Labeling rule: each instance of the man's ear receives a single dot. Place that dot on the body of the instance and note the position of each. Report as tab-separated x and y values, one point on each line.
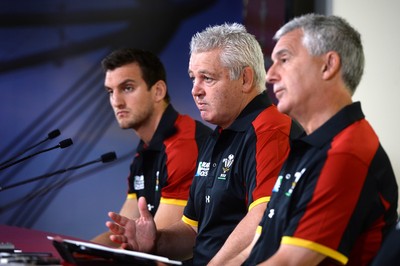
248	75
160	90
331	65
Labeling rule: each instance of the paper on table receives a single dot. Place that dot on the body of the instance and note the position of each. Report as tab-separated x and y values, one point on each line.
138	254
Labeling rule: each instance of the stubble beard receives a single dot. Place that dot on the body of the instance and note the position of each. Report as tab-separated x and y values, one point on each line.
131	124
134	122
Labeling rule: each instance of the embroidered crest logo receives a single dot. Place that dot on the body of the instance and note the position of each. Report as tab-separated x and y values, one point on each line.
297	177
227	163
227	166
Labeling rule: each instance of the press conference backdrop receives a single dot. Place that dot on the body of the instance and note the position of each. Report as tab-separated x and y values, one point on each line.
50	78
51	88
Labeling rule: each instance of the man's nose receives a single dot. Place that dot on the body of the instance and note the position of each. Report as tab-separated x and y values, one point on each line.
272	75
117	100
196	89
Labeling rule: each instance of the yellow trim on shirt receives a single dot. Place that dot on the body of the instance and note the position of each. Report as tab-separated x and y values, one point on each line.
259	230
260	200
163	200
132	196
177	202
315	247
189	221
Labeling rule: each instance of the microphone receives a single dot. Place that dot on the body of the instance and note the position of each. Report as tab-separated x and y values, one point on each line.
108	157
105	158
51	135
62	144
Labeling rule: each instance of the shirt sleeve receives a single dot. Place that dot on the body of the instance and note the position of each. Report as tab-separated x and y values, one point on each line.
181	156
318	225
264	163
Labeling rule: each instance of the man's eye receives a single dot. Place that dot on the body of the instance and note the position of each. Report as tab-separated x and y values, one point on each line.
128	89
208	78
283	59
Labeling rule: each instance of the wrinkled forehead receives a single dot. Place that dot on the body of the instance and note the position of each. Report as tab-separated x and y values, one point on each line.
208	59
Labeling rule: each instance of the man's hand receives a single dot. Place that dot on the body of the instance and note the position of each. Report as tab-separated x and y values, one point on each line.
135	234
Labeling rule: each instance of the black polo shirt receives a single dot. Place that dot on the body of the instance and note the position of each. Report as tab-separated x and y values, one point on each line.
236	170
336	194
163	170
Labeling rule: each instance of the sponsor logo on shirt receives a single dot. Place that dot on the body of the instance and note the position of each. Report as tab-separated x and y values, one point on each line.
150	207
208	197
138	182
278	184
203	168
157	180
297	177
271	213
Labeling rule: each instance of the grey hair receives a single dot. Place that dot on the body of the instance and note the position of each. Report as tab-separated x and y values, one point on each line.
331	33
239	49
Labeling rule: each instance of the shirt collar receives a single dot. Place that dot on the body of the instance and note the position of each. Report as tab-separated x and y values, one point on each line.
165	129
249	113
345	117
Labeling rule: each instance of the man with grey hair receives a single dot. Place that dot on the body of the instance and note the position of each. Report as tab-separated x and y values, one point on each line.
238	164
336	196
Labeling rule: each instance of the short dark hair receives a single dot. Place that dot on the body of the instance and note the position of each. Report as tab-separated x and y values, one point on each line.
151	66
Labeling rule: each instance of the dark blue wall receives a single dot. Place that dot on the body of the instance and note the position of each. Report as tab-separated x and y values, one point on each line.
50	78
